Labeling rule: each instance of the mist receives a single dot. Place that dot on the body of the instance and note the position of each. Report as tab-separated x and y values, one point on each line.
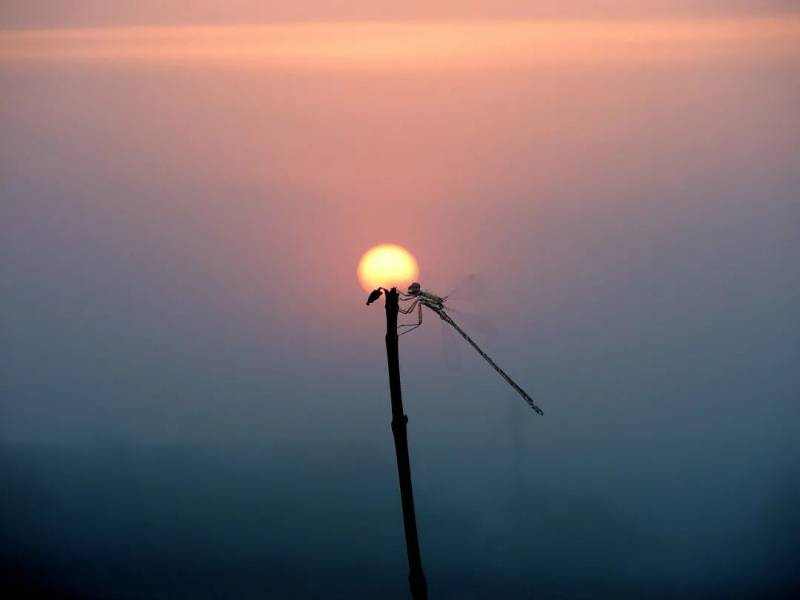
194	400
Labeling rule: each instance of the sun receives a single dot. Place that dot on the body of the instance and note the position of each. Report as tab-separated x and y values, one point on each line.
387	265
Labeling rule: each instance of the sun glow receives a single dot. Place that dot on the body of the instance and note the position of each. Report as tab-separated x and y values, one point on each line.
387	265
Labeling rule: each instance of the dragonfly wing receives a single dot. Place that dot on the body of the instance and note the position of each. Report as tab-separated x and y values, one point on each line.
470	289
483	328
452	354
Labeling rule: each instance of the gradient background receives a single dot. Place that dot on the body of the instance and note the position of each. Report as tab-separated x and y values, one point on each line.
193	398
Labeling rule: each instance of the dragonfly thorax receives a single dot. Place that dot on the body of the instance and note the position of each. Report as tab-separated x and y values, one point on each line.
425	296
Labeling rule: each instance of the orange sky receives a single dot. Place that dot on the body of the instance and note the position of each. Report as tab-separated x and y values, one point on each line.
419	44
101	13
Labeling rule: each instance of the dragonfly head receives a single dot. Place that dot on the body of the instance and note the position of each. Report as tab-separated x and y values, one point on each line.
414	289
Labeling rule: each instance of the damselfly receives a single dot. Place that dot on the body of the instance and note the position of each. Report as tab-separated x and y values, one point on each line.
417	298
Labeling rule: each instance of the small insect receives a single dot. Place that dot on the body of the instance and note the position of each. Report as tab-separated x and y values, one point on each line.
418	298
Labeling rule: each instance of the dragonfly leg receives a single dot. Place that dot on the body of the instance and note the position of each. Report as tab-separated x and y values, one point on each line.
413	326
410	307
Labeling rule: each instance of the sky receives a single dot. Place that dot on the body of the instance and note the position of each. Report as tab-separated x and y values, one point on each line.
194	398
